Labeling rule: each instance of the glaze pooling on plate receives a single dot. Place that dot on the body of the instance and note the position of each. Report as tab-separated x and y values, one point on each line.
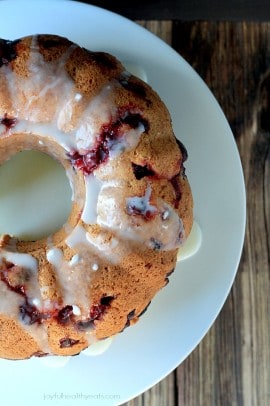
94	350
192	243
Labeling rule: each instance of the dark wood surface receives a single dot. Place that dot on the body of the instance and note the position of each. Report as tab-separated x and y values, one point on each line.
233	10
231	366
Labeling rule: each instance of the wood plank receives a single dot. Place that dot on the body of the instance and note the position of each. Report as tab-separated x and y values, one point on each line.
236	68
233	10
231	366
161	394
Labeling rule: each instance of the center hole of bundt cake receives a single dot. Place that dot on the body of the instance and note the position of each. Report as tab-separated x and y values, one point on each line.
35	196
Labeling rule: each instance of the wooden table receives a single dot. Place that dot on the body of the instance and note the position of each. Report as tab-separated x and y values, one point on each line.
231	366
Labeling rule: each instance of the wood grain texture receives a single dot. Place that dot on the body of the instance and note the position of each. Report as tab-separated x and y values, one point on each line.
233	10
231	366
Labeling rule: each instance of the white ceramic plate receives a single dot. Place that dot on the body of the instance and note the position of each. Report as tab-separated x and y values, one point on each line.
182	313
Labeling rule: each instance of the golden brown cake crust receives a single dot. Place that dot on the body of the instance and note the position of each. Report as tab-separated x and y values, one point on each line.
132	204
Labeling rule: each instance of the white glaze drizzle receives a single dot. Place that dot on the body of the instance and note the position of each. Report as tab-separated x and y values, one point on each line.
92	190
73	279
77	237
27	268
25	261
192	244
99	112
109	250
98	348
11	301
163	231
95	267
46	130
142	204
94	247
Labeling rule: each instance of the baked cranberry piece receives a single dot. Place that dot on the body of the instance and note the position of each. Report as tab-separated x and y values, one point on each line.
14	276
96	313
7	51
166	281
40	354
103	59
144	310
175	182
90	161
141	206
8	122
134	120
64	315
142	171
67	342
106	300
11	279
109	135
87	324
48	43
155	244
132	86
130	316
183	150
98	310
30	314
170	273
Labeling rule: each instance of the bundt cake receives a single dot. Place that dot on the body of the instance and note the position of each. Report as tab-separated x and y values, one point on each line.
131	200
